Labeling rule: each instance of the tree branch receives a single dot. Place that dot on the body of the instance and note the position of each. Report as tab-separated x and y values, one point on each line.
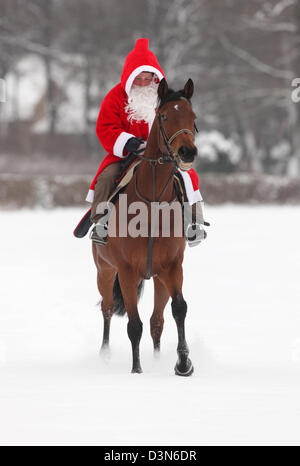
255	62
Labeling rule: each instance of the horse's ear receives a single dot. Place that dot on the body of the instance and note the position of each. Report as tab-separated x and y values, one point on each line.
189	89
162	89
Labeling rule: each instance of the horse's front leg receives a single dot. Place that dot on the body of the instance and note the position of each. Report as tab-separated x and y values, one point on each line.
184	365
129	283
173	282
161	297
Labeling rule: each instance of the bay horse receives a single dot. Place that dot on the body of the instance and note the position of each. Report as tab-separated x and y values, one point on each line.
124	262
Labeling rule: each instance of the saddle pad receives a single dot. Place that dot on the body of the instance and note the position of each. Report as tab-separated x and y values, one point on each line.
85	223
124	179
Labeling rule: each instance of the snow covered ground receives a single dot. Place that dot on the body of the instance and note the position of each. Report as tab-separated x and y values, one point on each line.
243	329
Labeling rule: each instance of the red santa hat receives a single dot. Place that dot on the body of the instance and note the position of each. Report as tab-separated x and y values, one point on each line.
139	60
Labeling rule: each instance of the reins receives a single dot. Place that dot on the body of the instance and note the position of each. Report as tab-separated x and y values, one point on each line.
153	225
170	157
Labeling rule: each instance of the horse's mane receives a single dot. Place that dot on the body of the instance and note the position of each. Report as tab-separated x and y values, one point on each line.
172	96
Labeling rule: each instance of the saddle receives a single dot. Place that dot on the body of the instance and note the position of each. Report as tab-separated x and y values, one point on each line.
127	171
123	180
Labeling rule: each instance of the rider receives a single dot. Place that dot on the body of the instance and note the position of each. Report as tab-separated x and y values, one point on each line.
126	115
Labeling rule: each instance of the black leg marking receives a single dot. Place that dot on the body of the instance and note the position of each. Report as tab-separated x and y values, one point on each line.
135	330
184	365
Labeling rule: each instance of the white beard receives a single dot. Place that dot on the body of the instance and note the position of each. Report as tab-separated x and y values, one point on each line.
142	101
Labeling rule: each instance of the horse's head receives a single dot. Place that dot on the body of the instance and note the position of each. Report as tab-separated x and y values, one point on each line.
176	121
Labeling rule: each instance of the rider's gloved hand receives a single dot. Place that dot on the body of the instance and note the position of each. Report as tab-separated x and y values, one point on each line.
133	144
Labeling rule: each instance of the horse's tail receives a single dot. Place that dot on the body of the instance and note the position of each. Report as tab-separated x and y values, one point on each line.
119	306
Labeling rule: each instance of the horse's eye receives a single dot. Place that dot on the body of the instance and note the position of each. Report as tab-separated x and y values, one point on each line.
164	117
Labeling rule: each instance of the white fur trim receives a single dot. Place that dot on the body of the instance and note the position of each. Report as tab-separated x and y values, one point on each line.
90	196
120	144
139	70
193	196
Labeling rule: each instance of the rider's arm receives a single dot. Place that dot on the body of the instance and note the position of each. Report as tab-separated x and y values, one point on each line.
110	130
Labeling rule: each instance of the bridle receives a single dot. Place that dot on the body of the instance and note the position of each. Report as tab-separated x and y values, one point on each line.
171	156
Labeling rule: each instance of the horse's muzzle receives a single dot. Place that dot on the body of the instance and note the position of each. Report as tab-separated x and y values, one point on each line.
187	154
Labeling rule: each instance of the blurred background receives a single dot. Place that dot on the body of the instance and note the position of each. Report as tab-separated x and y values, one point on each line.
58	59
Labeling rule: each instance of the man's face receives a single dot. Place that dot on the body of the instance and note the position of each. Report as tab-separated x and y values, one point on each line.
142	98
143	79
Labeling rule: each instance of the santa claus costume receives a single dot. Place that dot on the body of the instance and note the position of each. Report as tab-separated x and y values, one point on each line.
115	128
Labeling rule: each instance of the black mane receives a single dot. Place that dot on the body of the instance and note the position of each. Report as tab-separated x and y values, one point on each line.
171	96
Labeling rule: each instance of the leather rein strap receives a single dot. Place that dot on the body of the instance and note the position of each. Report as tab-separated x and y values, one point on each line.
152	223
170	157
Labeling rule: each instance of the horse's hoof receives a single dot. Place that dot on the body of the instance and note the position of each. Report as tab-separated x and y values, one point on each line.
104	353
185	373
137	370
156	353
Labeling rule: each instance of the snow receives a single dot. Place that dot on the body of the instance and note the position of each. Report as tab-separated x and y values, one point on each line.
242	289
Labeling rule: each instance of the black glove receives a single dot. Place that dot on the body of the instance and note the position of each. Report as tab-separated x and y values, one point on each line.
133	144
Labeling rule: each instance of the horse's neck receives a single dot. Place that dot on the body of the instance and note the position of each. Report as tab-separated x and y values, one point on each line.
162	171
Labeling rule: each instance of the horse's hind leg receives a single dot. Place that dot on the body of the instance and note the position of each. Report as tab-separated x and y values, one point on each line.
105	281
161	297
173	281
129	283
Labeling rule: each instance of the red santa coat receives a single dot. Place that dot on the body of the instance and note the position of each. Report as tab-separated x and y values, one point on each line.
113	128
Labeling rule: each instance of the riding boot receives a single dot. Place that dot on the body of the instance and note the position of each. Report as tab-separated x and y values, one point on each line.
194	224
99	234
100	208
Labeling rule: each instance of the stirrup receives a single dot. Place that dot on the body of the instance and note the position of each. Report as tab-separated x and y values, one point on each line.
195	233
101	238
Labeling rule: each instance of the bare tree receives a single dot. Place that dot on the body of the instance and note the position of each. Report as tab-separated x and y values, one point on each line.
242	57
